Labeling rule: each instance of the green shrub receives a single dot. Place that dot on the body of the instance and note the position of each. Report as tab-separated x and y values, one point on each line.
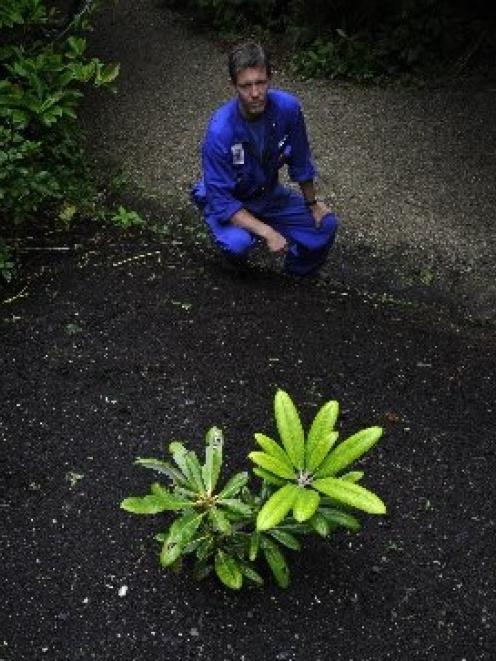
41	86
419	38
306	489
344	57
235	16
359	40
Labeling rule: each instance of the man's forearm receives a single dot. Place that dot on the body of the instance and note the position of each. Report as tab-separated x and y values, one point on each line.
248	221
275	241
317	207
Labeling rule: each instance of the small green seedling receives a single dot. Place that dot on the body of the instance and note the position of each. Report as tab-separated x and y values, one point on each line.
306	488
124	218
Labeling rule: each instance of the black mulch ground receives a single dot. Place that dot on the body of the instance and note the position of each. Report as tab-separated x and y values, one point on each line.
121	345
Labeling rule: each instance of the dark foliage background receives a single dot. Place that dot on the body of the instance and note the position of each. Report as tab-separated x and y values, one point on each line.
362	40
44	70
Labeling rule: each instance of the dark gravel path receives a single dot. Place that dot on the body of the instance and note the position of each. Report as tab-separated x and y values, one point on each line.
410	172
114	348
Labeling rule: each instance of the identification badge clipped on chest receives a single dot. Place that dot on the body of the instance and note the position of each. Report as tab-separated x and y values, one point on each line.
238	154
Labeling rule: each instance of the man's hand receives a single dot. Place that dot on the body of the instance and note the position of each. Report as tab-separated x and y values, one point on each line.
319	210
276	243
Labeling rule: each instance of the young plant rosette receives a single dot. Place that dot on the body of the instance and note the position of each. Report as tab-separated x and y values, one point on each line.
304	469
303	491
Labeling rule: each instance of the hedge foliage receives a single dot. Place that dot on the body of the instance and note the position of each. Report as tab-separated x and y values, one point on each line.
359	39
43	72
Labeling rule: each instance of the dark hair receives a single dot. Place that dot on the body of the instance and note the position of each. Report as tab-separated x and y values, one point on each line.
246	55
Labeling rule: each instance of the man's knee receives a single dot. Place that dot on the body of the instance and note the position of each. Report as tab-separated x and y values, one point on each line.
322	238
235	241
330	224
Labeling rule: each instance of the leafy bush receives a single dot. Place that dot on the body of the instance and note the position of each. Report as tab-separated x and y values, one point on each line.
234	16
412	38
42	77
306	489
343	57
356	39
421	36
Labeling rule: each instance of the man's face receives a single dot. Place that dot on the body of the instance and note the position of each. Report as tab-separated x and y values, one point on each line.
252	85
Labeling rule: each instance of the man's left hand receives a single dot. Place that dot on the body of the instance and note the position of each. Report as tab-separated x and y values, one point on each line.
319	210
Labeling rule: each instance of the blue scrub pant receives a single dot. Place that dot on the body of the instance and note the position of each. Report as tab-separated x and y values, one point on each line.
286	212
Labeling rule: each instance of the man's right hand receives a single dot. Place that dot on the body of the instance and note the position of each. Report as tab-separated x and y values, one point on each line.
276	243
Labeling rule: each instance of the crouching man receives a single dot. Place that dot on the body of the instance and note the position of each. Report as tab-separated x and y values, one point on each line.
247	141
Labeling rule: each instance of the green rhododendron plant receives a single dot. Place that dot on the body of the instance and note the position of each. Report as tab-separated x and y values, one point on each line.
306	488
